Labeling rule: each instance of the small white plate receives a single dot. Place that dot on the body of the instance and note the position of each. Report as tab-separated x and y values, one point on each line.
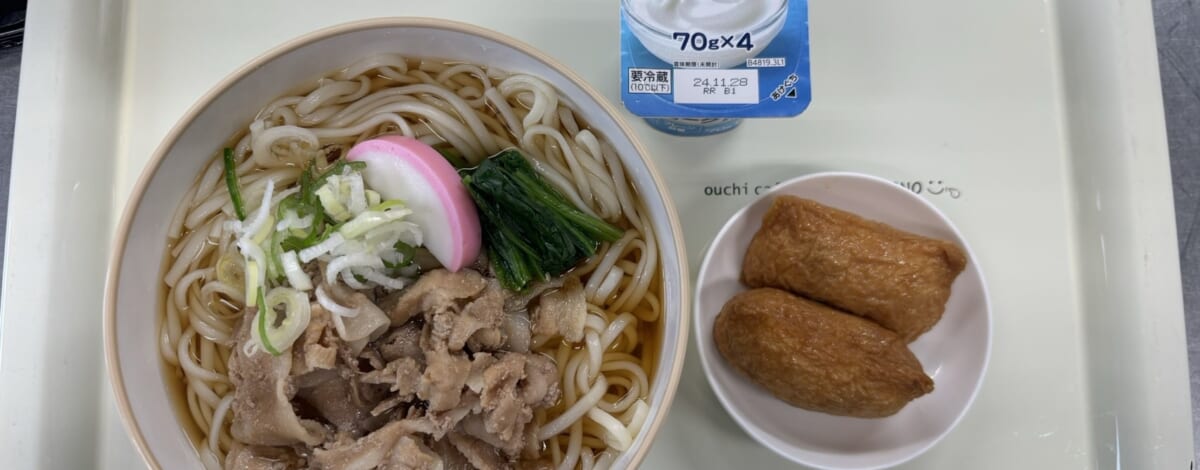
954	353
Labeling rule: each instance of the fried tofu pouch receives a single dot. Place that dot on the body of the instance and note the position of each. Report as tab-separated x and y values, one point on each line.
898	279
818	358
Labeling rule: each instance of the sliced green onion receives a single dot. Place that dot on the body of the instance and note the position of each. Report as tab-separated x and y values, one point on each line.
348	220
408	254
302	238
262	324
334	192
356	197
275	268
278	334
231	182
325	246
307	202
385	205
264	232
368	220
252	282
229	268
332	205
337	169
308	185
313	238
290	219
295	272
373	198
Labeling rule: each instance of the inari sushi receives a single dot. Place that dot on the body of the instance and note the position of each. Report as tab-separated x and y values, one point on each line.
898	279
817	358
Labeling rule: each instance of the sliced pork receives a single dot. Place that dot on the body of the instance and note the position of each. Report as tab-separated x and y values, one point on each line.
402	376
404	341
368	322
520	302
364	453
479	364
338	401
481	455
561	312
317	348
480	320
452	459
539	388
505	412
263	391
442	378
261	458
445	375
436	290
411	454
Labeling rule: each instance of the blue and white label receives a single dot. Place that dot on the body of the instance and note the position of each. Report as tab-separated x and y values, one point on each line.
710	61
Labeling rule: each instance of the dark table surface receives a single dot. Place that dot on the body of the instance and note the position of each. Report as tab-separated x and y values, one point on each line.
1178	29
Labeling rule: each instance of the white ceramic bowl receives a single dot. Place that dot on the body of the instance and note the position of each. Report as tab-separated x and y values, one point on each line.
131	310
954	353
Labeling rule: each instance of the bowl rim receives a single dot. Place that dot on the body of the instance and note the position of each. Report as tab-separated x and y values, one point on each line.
138	194
753	429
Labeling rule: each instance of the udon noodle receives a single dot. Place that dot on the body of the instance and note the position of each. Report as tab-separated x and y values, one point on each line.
477	111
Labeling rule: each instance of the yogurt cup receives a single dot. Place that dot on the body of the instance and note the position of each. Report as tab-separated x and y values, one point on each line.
693	127
697	67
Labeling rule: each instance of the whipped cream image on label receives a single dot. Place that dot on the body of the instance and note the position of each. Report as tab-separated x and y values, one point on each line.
726	32
697	67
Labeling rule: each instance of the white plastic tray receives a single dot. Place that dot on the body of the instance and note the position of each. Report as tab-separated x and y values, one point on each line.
1044	116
